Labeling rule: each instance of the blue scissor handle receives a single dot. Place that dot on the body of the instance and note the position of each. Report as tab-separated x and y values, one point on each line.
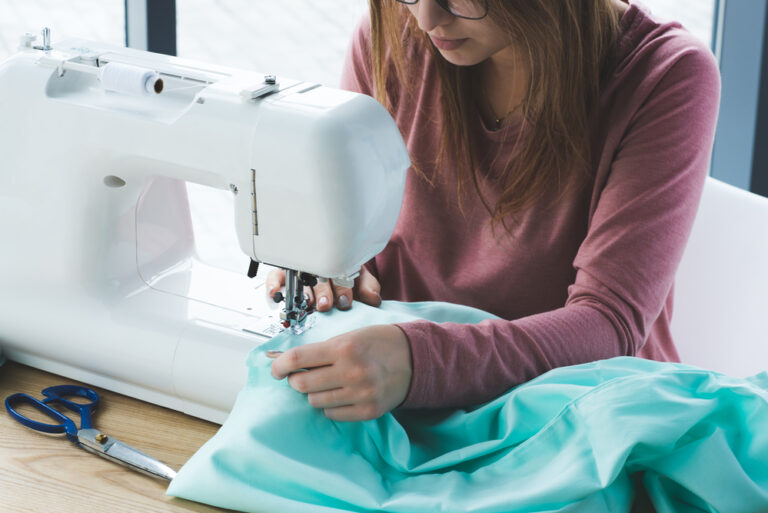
56	394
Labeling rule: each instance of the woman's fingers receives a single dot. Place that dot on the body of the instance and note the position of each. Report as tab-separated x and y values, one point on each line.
323	296
353	412
343	297
310	295
332	398
317	380
302	358
274	282
368	289
359	375
326	294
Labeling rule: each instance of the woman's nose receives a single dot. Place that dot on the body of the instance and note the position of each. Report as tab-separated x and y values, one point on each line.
430	15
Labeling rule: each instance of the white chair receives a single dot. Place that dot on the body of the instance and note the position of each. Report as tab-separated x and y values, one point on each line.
720	316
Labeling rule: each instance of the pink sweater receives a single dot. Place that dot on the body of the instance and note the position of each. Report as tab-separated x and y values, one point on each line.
587	278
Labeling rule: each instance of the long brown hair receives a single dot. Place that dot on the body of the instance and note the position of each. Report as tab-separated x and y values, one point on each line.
565	45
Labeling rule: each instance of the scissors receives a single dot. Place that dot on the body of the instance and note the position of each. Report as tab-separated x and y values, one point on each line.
86	436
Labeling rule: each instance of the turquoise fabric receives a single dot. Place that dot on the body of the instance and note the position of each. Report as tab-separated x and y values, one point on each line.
579	438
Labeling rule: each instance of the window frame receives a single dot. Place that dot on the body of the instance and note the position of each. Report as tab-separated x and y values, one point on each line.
737	157
151	25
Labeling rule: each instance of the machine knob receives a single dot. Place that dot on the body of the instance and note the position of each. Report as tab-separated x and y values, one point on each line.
308	280
278	297
253	268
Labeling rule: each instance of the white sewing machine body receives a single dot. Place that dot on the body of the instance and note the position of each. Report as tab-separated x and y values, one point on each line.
98	276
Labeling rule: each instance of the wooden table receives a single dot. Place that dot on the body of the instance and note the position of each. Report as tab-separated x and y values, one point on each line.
40	472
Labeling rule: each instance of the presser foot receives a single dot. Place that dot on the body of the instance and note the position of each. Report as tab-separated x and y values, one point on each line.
295	318
301	325
271	326
296	312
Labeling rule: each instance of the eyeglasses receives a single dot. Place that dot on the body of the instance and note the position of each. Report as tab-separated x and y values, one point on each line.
467	9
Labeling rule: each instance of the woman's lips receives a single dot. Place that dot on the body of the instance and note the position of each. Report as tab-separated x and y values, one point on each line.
447	44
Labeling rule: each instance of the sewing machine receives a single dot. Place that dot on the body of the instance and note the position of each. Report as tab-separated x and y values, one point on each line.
99	279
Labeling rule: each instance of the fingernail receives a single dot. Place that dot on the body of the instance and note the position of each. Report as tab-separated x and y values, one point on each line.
273	354
343	302
323	301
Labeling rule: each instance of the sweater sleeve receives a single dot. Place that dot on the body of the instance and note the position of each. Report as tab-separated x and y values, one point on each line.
625	266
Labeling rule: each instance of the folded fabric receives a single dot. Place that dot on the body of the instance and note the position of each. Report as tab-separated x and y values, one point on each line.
578	438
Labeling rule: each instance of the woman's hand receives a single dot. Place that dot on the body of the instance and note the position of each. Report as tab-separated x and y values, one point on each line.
326	294
359	375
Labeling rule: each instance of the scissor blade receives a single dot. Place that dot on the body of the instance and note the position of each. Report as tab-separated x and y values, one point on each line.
96	442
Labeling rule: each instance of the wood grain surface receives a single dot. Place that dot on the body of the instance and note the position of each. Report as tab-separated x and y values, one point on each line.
45	473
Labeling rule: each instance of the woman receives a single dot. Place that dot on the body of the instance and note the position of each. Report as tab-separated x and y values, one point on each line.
560	149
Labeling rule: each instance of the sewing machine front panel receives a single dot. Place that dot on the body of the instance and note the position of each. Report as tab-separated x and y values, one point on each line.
103	283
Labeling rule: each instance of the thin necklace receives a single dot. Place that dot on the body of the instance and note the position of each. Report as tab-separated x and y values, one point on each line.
498	120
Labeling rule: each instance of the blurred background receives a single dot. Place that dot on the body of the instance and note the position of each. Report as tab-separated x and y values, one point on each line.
301	39
307	40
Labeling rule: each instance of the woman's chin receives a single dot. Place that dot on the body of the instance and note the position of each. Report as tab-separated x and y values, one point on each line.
458	58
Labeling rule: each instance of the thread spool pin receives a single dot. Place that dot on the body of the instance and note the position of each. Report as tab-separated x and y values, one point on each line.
46	32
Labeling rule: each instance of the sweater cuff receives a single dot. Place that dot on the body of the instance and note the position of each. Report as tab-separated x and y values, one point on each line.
422	380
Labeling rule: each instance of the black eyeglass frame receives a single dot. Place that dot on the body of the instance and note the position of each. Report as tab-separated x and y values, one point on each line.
444	5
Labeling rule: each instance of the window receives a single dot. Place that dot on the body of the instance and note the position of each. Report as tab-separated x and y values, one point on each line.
697	16
298	39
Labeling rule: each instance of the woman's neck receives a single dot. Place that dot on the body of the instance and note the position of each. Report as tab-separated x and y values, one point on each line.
503	82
